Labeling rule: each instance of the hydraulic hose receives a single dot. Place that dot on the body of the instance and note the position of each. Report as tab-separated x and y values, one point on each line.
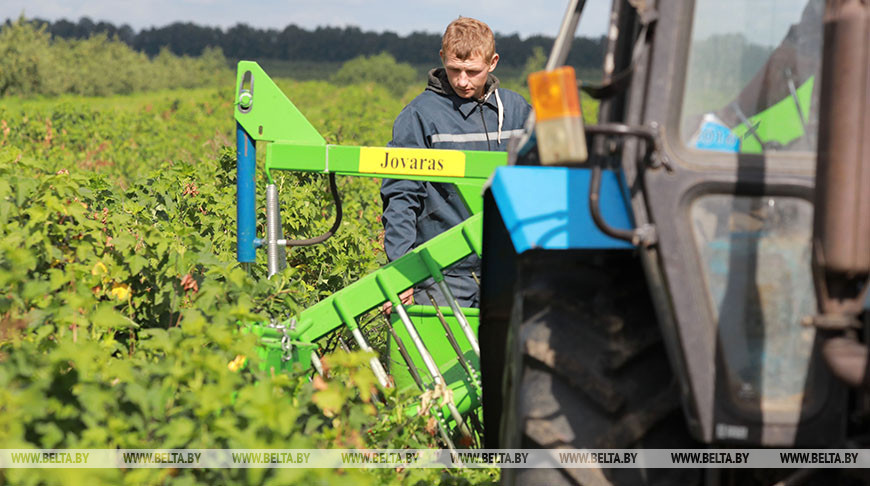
320	239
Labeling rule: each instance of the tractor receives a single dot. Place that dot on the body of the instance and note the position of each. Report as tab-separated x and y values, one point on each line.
689	272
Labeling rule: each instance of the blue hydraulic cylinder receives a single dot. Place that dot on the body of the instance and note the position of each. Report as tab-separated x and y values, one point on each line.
246	217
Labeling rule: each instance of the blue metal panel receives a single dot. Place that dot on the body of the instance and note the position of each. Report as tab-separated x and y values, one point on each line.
548	207
246	217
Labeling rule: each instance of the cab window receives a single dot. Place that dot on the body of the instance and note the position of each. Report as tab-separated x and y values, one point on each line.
752	76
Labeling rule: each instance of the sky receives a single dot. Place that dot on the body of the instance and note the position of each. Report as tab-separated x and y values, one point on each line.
402	17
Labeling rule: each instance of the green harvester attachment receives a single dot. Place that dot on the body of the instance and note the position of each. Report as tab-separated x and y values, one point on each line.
434	349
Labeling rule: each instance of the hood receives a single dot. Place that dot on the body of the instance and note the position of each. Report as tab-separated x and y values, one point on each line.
438	83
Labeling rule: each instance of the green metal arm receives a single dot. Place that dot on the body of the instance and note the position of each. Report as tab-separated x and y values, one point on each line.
265	112
425	261
345	160
268	115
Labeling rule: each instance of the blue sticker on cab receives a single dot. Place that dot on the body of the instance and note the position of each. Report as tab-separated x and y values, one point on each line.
713	135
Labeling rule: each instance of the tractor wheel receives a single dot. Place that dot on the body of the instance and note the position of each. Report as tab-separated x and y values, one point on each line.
586	368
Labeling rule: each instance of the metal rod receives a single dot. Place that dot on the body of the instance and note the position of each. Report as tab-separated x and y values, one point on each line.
457	417
343	345
377	367
450	337
460	317
750	129
412	368
566	34
442	427
476	279
431	367
315	361
405	356
797	104
477	427
276	255
476	423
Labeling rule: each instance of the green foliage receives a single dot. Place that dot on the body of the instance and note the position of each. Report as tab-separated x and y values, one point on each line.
296	70
360	114
31	63
535	62
23	58
124	140
120	296
381	69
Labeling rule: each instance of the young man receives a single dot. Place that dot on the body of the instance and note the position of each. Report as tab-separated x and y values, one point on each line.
462	108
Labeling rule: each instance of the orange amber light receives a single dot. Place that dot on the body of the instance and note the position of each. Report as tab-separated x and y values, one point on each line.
554	93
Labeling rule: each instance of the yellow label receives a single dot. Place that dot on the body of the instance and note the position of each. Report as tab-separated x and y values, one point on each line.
407	161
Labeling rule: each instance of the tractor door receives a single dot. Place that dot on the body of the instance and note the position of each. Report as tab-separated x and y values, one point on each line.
732	88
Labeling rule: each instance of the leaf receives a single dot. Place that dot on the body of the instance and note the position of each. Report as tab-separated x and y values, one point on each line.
178	432
107	317
192	322
207	258
123	242
34	289
136	263
52	436
120	291
329	400
313	423
238	277
99	269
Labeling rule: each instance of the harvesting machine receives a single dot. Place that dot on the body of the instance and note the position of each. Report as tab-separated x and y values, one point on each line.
689	272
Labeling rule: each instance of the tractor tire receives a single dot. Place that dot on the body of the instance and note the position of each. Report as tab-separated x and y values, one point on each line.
585	367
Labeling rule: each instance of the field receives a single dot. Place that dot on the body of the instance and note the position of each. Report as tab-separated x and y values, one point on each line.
120	296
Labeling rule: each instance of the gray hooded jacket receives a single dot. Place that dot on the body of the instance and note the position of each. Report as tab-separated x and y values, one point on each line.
415	211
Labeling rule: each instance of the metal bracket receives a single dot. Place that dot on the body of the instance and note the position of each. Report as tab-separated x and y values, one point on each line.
286	344
245	96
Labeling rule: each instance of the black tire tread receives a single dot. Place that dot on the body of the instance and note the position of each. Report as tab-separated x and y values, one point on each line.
593	371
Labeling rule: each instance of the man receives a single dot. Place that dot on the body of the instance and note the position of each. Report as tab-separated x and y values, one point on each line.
462	108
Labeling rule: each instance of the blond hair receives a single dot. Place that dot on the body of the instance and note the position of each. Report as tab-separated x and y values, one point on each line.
466	37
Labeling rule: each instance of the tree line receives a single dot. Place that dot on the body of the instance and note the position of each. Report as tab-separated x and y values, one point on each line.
33	62
293	43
